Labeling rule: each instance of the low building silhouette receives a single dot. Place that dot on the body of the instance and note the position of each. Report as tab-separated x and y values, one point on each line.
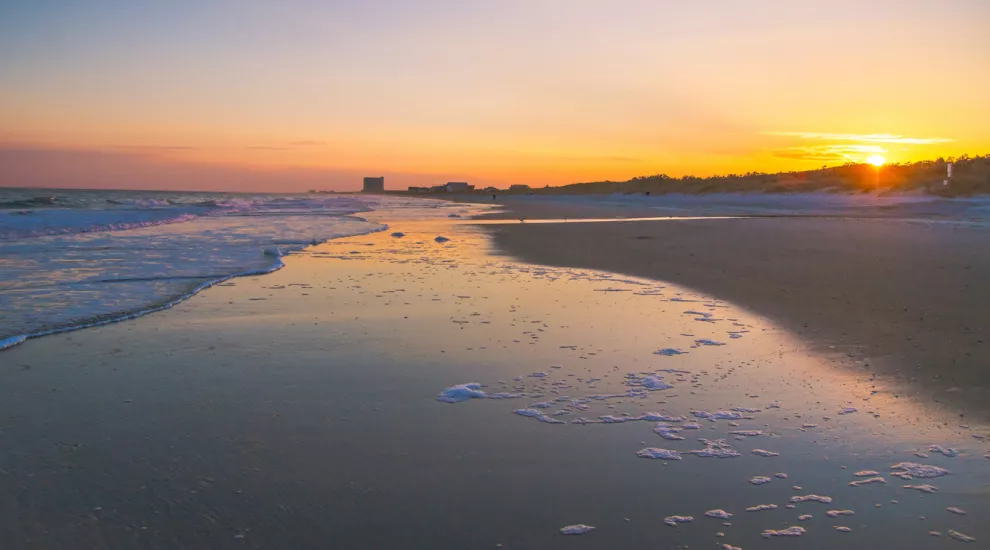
373	185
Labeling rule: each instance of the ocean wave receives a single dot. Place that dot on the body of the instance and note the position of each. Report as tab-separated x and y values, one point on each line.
68	222
277	253
33	202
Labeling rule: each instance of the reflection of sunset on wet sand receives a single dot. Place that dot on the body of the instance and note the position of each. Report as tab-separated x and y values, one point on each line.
511	274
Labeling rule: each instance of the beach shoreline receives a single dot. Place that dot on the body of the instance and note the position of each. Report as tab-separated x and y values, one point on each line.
891	296
301	409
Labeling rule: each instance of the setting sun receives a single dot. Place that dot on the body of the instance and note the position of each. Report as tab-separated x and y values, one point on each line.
876	160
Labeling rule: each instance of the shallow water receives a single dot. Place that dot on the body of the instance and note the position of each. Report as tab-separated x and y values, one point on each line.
300	410
79	257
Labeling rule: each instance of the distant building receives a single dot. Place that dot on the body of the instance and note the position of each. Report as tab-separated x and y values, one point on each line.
458	187
438	189
373	185
520	187
419	189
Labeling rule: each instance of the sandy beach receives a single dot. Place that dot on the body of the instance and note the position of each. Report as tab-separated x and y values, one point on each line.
323	406
893	296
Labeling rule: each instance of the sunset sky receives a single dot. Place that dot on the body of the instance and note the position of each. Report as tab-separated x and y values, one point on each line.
297	94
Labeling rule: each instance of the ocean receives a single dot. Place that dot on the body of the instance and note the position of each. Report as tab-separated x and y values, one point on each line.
74	258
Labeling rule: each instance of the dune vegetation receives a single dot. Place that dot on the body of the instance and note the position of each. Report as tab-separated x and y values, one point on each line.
970	176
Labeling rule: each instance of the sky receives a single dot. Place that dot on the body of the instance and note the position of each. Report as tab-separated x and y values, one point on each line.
255	95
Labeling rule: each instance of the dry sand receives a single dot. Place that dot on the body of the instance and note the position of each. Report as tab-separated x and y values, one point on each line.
902	297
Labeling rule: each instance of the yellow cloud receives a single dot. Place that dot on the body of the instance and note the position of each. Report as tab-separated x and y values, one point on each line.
865	138
830	153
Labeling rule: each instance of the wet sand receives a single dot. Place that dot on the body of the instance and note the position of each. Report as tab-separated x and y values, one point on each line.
903	298
299	410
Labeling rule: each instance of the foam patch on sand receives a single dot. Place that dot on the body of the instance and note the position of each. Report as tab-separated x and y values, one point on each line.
760	480
471	390
960	536
717	448
912	469
923	488
651	382
720	415
674	520
868	481
707	342
762	452
658	453
667	432
746	433
657	417
951	453
761	508
669	352
812	498
837	513
718	514
578	529
533	413
794	531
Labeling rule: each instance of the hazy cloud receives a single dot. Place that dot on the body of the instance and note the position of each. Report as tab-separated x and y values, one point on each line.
830	153
33	166
305	142
157	147
622	159
864	138
267	148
